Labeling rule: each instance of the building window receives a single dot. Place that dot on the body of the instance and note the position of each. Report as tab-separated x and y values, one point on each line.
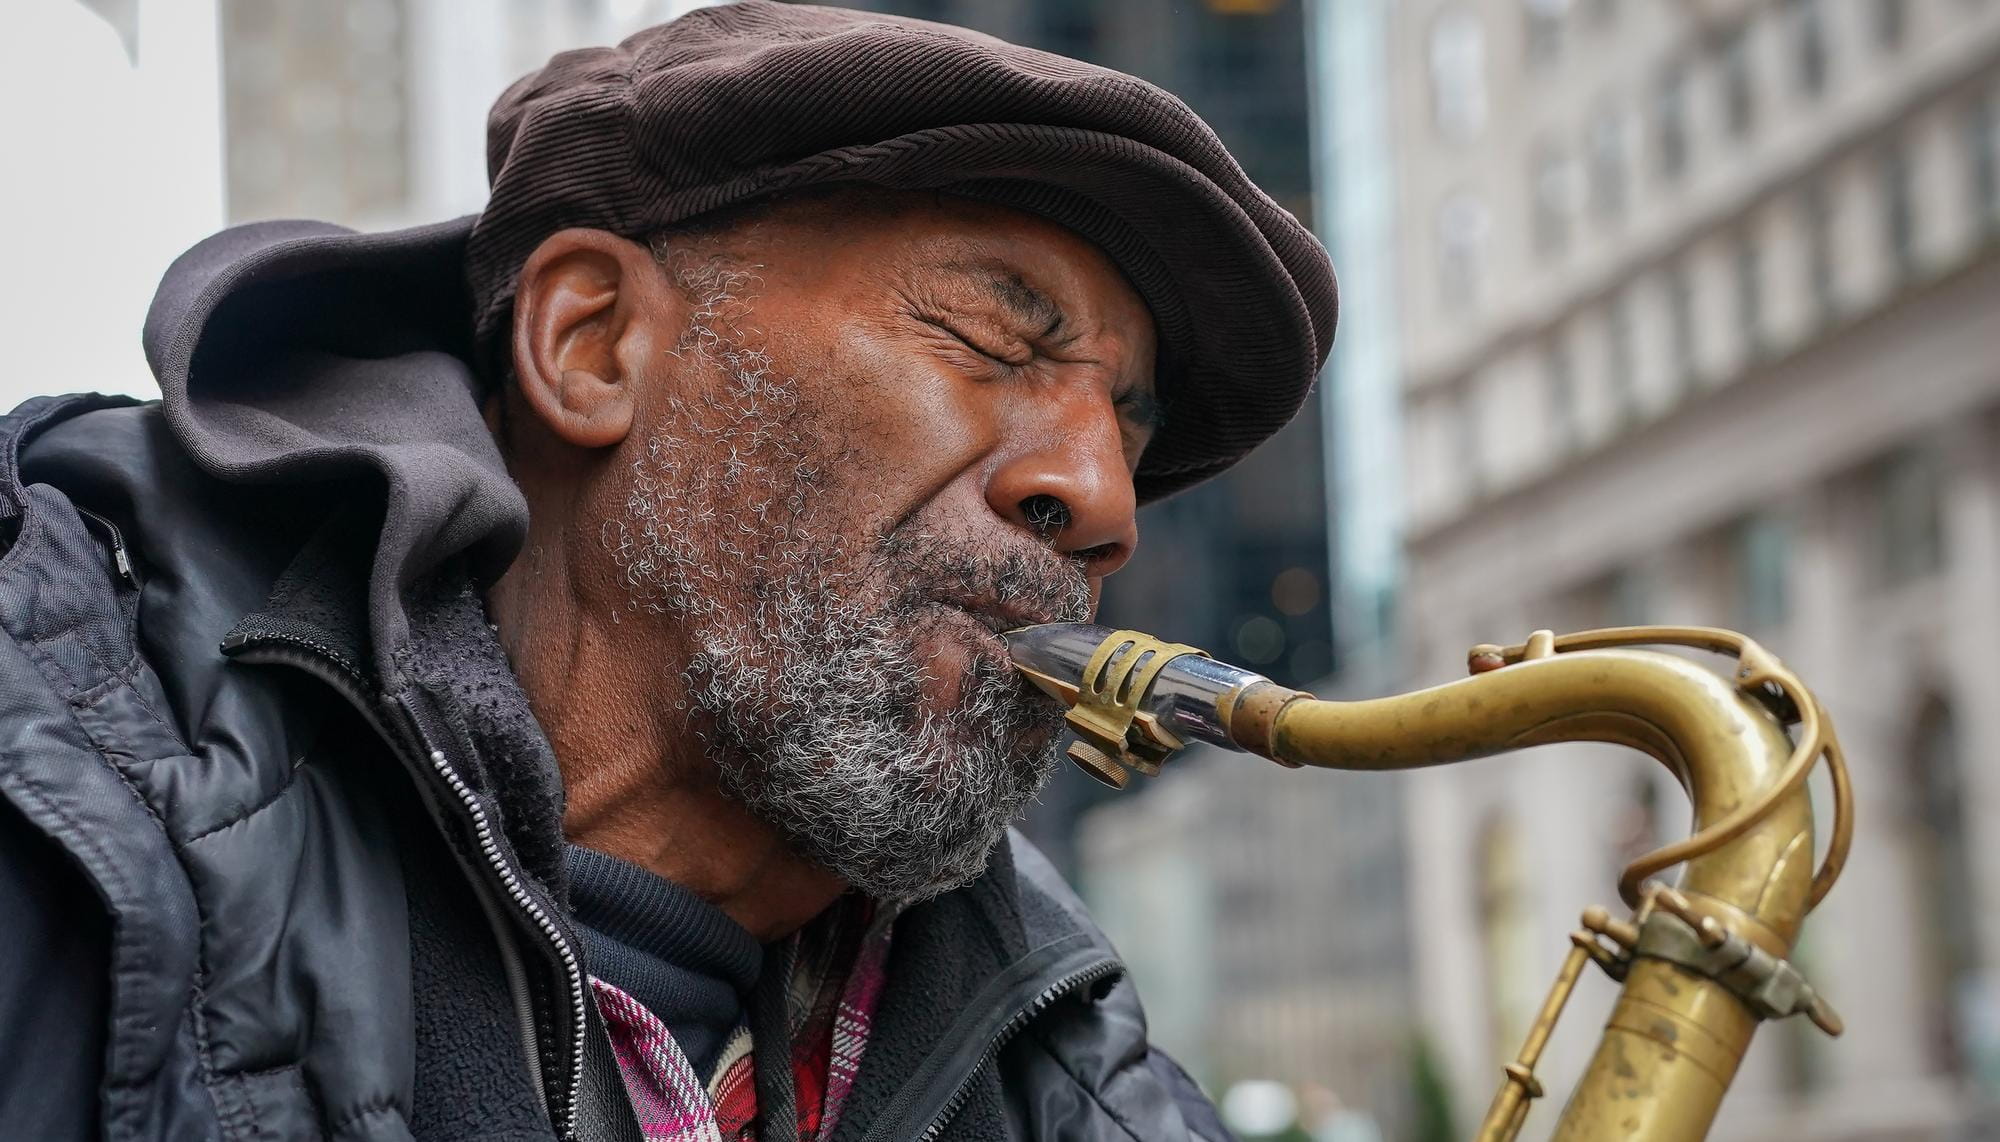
1554	177
1816	207
1681	325
1463	227
1607	162
1943	870
1559	371
1458	74
1543	35
1909	532
1892	22
1470	439
1899	218
1809	39
1621	363
1762	551
1739	104
1509	947
1982	138
1670	114
1750	295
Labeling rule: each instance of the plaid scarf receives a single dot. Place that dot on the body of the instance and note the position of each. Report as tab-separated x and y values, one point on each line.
839	962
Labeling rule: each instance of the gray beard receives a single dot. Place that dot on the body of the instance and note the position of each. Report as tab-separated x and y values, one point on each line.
808	681
819	727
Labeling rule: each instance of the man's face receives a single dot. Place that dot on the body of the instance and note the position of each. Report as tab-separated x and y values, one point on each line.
895	427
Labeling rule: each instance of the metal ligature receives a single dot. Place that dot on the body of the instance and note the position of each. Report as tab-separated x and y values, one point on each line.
1700	963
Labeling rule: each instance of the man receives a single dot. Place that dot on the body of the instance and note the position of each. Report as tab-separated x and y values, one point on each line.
538	676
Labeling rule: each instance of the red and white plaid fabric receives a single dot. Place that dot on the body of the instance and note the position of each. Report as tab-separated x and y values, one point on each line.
838	967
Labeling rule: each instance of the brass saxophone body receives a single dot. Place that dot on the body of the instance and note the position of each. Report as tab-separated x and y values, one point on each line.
1701	963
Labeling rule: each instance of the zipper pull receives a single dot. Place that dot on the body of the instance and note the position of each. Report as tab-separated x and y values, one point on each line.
121	558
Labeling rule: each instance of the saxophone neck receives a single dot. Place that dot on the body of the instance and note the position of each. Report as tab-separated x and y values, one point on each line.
1136	699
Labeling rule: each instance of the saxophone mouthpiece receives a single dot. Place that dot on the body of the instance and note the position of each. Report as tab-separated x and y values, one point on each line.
1133	699
1053	655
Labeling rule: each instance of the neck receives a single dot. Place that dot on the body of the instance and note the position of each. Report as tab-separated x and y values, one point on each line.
638	783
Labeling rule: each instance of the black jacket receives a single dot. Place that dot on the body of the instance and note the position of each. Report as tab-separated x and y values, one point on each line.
280	848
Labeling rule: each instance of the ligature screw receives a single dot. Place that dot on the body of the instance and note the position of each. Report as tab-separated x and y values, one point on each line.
1098	764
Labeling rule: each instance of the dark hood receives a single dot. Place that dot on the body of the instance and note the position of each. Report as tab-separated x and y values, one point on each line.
307	354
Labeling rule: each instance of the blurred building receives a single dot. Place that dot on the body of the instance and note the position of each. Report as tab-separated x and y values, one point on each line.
1698	309
1263	911
372	113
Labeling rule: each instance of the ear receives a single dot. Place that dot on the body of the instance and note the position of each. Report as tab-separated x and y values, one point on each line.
585	311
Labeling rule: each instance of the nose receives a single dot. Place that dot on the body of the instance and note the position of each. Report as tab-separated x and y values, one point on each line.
1068	484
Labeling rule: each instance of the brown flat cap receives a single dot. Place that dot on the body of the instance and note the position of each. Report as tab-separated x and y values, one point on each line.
744	100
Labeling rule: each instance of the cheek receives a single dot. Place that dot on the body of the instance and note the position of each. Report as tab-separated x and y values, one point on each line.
914	423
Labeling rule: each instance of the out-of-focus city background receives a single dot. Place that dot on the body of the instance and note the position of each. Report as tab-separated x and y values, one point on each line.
1654	311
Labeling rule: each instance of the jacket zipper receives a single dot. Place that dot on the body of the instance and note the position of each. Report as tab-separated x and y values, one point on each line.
1012	1027
121	556
561	1109
333	668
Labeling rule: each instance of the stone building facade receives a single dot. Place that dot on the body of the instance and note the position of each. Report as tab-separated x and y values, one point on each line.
1700	323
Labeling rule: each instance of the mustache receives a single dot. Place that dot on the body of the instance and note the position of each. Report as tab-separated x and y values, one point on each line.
1010	586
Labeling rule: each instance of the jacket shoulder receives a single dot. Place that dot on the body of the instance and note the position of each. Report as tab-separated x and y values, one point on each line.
1103	1048
1050	908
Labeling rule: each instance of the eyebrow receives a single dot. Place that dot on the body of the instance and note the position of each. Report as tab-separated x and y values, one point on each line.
1012	292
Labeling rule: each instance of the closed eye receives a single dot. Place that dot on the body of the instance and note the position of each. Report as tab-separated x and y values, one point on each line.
1013	357
1141	409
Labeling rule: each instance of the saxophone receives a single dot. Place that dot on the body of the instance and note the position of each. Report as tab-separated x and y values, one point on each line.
1700	963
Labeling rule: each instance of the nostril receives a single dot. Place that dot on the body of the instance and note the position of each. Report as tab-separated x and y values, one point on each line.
1046	515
